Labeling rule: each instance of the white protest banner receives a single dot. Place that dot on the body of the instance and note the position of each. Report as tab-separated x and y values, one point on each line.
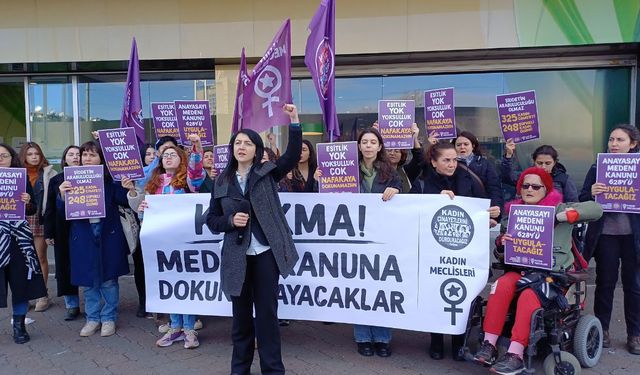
396	264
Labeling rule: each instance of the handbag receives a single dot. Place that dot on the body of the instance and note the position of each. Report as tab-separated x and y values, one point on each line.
130	227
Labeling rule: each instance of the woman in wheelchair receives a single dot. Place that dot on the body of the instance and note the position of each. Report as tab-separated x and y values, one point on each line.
535	187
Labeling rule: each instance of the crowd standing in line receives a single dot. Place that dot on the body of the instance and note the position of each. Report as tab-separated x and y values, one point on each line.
258	248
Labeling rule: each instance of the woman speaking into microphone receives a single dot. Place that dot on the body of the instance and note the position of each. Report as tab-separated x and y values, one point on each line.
257	246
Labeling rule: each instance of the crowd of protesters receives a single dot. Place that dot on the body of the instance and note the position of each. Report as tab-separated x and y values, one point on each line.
258	248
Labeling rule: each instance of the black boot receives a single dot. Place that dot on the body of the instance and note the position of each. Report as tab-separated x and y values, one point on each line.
20	335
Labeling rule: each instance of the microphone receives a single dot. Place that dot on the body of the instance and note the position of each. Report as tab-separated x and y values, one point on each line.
244	207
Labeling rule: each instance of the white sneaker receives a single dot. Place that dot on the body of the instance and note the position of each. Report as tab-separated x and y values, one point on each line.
90	327
108	328
164	328
198	325
191	339
42	304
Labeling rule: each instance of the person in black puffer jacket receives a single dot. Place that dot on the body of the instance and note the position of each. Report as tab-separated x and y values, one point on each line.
545	157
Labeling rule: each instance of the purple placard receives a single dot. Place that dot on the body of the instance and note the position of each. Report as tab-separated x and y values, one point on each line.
121	153
518	116
194	117
220	158
164	120
619	172
439	113
395	118
86	198
338	162
532	230
13	182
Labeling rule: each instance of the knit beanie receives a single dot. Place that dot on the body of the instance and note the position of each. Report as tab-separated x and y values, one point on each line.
546	178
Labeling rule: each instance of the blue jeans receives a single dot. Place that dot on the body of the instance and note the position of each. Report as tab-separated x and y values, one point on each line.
96	311
371	334
187	322
20	308
71	302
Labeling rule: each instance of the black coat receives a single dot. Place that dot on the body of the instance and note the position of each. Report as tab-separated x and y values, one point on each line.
266	212
461	183
594	230
486	171
56	227
561	181
378	185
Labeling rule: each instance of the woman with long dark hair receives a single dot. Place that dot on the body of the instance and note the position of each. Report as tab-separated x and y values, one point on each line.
614	242
56	234
257	246
19	266
40	173
376	176
98	250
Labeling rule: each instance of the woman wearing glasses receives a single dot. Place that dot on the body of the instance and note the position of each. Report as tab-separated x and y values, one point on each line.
535	187
177	173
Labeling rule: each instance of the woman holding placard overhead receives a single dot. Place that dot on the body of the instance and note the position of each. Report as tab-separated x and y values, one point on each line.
443	175
257	246
535	187
19	266
56	234
614	242
40	173
177	173
545	157
98	250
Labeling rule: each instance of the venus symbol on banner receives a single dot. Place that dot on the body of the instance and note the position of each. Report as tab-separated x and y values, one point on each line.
267	81
455	289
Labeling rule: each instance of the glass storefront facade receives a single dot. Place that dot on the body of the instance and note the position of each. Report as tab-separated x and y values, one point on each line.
576	106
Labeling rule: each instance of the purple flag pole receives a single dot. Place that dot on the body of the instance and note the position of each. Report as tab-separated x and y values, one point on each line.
243	80
268	88
132	106
319	57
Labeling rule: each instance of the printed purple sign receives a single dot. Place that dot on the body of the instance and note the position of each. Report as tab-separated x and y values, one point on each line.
518	116
532	230
164	120
220	158
194	117
395	118
121	153
439	113
338	163
619	172
13	182
86	198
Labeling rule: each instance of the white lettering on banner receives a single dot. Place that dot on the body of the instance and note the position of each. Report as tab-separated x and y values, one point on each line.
362	260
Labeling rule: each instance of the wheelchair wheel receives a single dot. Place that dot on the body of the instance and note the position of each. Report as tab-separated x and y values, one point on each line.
587	341
568	366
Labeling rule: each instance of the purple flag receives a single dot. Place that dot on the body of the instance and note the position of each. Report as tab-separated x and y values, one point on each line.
319	57
243	81
269	85
132	106
619	172
13	182
532	230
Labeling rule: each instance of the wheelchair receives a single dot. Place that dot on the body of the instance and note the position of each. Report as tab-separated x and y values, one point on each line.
568	338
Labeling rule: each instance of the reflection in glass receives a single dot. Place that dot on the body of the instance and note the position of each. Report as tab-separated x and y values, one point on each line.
51	115
13	128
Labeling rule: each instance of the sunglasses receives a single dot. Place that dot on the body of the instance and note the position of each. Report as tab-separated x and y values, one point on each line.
535	187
